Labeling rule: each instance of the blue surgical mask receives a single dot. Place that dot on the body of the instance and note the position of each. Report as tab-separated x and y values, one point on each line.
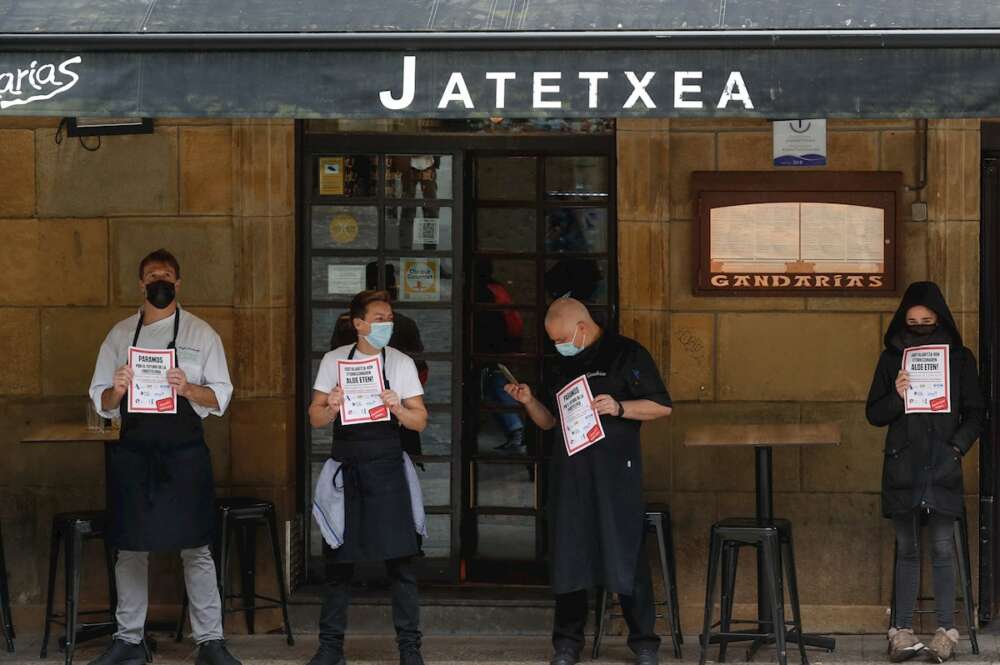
380	334
570	348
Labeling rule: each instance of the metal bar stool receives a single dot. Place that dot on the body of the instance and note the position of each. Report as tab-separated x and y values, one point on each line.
658	522
73	530
239	519
964	565
6	617
773	541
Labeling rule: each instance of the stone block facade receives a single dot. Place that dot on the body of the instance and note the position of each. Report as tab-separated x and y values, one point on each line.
73	226
815	364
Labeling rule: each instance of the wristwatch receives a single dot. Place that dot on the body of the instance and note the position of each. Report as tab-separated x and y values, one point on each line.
621	409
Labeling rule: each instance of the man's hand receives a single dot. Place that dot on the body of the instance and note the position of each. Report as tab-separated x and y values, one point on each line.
178	379
122	381
606	405
335	399
391	399
902	383
520	392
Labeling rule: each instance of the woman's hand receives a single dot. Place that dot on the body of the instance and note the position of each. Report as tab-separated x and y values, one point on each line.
335	399
391	399
902	383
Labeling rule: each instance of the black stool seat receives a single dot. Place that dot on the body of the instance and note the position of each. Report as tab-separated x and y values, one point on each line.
239	518
773	540
6	617
964	565
657	522
73	529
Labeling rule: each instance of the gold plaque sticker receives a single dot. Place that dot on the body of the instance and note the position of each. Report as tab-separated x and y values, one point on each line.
343	228
331	176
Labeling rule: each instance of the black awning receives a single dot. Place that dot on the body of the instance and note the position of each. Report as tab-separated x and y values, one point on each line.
518	58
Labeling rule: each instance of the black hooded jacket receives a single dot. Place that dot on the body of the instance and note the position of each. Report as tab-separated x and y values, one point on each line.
922	466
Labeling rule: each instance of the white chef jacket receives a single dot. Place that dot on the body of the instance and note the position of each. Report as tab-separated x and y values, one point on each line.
199	353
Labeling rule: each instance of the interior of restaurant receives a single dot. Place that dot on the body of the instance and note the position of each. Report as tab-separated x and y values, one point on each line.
475	226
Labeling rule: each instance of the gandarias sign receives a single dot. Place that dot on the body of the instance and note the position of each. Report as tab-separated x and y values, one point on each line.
770	83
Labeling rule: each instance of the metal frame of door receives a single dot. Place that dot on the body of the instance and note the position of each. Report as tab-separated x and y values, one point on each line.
310	146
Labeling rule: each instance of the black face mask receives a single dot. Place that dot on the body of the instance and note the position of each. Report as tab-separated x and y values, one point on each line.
160	293
923	329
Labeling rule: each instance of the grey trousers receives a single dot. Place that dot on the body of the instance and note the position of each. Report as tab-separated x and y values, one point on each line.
132	575
941	531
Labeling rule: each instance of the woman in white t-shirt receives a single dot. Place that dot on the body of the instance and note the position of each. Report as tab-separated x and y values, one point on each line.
378	516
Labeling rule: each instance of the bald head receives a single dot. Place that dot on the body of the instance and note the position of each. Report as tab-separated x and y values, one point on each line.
569	320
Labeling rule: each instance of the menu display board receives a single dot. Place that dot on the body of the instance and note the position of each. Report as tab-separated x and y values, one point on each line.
804	233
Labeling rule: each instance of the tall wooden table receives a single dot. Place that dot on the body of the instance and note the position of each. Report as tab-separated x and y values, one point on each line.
763	439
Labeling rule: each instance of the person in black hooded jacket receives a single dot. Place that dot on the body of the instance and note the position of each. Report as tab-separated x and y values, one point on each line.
922	468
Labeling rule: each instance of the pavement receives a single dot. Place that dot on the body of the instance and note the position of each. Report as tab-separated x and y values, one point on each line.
479	650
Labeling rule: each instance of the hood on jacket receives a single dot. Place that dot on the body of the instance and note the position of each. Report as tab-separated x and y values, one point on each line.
929	295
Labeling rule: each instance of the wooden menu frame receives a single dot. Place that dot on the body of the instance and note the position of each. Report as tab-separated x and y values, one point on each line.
718	189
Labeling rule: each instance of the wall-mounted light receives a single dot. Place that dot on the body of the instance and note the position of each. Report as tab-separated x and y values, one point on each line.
108	126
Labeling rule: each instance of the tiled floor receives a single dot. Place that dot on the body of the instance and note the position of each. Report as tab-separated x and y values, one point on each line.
372	650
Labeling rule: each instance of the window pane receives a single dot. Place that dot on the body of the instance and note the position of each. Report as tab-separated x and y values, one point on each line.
506	178
576	178
418	227
505	230
418	176
436	439
506	537
503	331
584	279
576	230
433	326
435	482
424	279
344	227
341	277
505	485
438	541
437	390
346	175
505	281
503	433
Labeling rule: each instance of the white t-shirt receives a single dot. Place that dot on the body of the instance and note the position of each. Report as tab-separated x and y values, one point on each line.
400	371
199	354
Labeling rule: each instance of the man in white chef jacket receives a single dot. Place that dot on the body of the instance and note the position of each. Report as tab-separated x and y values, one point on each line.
161	496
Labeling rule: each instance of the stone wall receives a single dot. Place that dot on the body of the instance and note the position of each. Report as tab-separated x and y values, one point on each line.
73	226
786	359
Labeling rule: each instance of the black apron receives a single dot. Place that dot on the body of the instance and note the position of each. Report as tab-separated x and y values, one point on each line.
378	515
595	497
160	487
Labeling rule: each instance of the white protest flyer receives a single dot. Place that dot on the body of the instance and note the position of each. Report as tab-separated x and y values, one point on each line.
581	425
929	368
150	391
361	381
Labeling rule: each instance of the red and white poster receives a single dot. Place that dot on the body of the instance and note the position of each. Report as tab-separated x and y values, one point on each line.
929	368
361	381
581	425
150	391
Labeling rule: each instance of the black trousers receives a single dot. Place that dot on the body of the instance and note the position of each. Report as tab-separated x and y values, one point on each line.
405	605
639	610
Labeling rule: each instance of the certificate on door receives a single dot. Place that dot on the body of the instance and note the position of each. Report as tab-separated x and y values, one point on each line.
581	425
150	392
361	381
929	368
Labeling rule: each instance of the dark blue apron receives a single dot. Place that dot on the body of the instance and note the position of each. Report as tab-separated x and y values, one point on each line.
378	517
160	487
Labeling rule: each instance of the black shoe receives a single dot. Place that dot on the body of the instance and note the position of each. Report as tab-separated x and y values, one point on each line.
122	653
565	657
513	443
328	656
647	657
214	652
411	657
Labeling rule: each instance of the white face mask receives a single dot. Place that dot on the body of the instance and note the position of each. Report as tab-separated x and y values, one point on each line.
570	348
380	334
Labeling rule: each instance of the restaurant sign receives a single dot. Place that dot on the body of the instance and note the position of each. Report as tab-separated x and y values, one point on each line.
773	83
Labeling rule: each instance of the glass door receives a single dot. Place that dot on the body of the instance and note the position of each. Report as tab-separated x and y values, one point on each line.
381	218
540	226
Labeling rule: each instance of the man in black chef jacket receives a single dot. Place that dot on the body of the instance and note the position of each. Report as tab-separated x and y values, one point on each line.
160	491
595	499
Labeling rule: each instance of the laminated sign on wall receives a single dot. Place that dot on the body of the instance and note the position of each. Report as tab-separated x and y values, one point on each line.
799	142
421	279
